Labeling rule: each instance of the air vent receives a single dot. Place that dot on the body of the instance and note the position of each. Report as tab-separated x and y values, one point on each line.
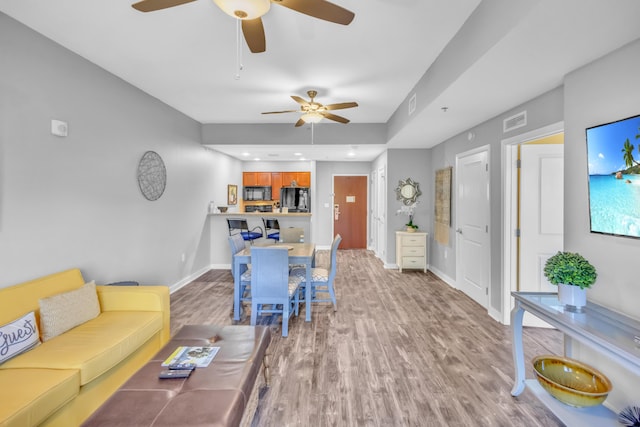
412	104
514	122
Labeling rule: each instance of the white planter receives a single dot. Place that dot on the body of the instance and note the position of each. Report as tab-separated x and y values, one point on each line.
572	297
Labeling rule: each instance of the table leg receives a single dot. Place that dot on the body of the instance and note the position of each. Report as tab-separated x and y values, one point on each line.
518	353
236	289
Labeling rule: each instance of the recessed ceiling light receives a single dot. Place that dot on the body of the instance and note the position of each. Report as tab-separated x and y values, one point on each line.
246	154
351	154
257	158
297	154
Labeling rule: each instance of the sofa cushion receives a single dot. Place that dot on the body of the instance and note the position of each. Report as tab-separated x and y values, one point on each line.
29	396
95	346
18	336
61	312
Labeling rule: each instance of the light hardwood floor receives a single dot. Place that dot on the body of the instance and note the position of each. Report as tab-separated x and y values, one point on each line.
403	349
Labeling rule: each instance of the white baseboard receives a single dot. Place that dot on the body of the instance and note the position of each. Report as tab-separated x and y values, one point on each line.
186	280
448	280
496	315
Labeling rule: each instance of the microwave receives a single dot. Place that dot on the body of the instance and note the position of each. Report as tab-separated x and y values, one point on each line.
251	193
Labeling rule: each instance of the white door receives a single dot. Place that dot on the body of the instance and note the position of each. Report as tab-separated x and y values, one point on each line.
472	225
541	215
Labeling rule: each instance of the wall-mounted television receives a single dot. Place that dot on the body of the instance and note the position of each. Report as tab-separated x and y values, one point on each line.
613	151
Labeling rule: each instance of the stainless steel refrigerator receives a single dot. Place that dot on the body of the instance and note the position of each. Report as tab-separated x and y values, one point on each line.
297	199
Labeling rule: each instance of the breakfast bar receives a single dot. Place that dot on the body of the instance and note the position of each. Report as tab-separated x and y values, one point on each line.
219	230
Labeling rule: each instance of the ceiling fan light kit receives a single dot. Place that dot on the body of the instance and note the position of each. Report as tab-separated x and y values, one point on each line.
244	9
314	112
312	117
250	12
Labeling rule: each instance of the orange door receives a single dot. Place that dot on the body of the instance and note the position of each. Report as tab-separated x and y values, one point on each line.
350	211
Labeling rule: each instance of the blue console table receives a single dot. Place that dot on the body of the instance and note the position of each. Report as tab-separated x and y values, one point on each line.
613	334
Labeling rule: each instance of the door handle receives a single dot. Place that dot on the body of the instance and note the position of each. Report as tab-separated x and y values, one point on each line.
459	230
336	212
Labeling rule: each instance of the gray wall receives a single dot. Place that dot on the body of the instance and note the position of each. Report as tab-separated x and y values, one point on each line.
403	164
74	201
541	111
604	91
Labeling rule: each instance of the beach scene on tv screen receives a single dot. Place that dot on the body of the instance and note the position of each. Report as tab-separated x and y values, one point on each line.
614	177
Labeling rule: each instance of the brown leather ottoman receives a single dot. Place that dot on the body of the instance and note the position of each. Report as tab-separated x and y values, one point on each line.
223	394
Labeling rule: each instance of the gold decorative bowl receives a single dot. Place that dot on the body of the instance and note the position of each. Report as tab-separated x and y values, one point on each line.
570	381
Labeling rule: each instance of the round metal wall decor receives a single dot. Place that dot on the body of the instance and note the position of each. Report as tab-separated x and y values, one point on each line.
152	175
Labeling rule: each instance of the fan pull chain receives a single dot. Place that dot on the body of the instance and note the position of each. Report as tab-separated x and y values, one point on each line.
311	133
239	65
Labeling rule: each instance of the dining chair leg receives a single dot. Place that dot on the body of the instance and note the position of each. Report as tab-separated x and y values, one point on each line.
285	320
254	313
333	298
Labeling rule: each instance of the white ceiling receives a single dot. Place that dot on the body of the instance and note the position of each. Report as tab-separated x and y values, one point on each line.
186	57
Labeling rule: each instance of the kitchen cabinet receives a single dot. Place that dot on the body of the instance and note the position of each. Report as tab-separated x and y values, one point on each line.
304	179
249	178
287	177
264	178
275	180
276	183
256	178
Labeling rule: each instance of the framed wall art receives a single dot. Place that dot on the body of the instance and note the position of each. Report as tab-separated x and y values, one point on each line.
232	194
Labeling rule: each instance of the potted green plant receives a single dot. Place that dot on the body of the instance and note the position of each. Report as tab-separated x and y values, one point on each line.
408	210
411	227
573	274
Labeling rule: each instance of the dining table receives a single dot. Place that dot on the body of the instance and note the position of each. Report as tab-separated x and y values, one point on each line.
299	254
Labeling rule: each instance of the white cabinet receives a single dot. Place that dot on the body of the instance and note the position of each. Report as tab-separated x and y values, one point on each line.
411	250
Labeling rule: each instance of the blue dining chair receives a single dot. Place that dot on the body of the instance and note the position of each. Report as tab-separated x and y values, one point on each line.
272	285
271	228
241	226
322	279
236	243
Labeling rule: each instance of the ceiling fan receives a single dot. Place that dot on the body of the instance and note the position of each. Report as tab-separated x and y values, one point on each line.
250	13
313	111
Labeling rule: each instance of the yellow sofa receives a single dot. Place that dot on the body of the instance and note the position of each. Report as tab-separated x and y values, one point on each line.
63	380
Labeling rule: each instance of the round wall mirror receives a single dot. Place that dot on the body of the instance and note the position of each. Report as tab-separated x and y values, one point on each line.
408	191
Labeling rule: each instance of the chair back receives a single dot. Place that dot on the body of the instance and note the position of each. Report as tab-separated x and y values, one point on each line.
292	235
237	225
269	273
241	226
271	224
333	264
271	228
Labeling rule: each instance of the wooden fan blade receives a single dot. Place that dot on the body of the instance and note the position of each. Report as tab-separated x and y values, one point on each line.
300	101
151	5
253	31
341	106
335	118
285	111
320	9
300	122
